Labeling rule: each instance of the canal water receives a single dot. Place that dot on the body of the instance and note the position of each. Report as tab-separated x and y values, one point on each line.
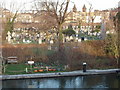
92	81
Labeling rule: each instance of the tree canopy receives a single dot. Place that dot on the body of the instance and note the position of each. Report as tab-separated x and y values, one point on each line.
69	32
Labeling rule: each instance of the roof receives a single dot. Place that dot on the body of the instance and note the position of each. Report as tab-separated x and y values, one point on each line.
84	6
74	8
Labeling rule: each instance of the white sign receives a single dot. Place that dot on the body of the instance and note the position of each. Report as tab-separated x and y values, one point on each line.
84	63
51	42
40	41
30	62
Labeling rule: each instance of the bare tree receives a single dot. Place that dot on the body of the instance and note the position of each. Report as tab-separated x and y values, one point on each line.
91	17
58	10
7	24
46	22
9	16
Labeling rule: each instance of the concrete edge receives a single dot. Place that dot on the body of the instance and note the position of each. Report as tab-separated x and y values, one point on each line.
59	74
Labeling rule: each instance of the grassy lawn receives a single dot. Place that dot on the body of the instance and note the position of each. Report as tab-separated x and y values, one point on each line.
14	69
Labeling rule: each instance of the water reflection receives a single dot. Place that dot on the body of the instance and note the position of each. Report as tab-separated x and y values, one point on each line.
94	81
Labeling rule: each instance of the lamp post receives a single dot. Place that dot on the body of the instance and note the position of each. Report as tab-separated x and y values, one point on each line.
84	67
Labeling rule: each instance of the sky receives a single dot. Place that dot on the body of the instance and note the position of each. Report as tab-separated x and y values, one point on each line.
96	4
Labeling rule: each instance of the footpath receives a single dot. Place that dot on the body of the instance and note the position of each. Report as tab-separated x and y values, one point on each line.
60	74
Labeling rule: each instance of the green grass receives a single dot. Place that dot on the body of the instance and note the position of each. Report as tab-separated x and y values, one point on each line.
16	66
14	69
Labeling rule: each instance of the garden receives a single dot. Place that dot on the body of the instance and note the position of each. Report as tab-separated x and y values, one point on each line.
13	69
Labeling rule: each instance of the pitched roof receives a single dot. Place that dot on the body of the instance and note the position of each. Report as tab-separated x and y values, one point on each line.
84	6
74	8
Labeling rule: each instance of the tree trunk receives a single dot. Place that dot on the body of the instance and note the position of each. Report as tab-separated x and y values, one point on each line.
61	52
60	38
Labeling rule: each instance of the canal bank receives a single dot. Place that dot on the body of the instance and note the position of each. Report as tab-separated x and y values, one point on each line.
59	74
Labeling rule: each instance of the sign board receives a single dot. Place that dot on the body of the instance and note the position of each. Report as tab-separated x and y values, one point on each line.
31	62
84	63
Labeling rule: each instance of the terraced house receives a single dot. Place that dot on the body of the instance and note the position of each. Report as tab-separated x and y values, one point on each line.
36	22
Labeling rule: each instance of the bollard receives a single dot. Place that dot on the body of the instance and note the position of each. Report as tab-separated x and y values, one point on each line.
84	67
26	70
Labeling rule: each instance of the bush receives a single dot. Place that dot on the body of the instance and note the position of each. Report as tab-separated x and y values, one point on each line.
69	32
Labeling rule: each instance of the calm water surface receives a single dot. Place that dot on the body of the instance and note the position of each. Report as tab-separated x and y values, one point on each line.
92	81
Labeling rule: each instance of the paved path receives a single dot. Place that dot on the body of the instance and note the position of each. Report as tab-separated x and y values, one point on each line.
59	74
